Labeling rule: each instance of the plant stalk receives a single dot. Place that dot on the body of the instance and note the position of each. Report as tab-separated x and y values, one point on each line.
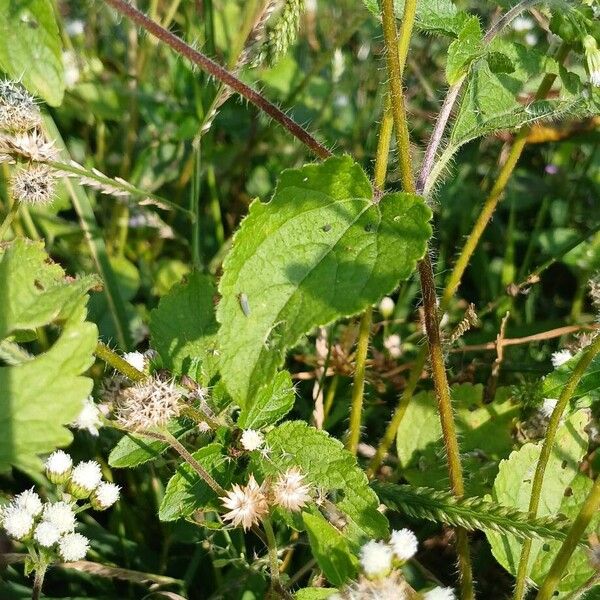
272	552
8	219
38	581
547	445
215	70
111	358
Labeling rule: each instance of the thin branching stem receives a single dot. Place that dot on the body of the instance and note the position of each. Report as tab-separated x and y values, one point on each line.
588	511
547	445
218	72
427	284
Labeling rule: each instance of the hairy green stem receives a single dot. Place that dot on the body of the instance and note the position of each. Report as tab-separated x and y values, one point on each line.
8	219
582	520
272	552
111	358
38	581
547	445
218	72
430	307
359	380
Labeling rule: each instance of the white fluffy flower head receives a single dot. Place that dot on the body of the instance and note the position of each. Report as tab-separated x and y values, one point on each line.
148	404
252	439
46	534
247	504
404	544
289	490
106	495
73	546
386	307
560	358
440	593
33	184
548	406
59	462
89	419
29	501
393	344
376	559
87	475
17	522
61	515
136	360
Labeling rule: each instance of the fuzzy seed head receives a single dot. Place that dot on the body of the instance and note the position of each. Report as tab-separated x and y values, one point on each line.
33	185
17	521
252	439
89	419
87	475
376	559
290	492
560	358
105	495
404	544
440	593
61	515
148	404
247	504
46	534
18	110
73	546
58	463
29	501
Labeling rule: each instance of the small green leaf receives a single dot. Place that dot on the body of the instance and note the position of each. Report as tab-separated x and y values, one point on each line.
314	593
562	492
183	327
330	549
321	249
328	466
39	397
588	384
186	492
272	402
30	47
34	291
464	50
133	450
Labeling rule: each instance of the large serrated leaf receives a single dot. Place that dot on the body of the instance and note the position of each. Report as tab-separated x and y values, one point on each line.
330	549
272	402
321	249
563	491
30	47
186	492
33	291
39	397
329	467
183	327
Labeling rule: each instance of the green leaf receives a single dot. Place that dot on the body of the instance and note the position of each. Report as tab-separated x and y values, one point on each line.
589	383
39	397
314	593
464	50
33	291
321	249
562	492
133	450
183	327
484	430
330	549
186	492
331	468
30	47
272	402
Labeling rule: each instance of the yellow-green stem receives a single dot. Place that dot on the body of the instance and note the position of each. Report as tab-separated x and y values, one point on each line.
8	219
111	358
272	551
588	510
430	307
547	445
358	386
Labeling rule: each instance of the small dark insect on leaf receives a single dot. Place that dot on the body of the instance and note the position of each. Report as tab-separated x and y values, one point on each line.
369	227
244	304
326	228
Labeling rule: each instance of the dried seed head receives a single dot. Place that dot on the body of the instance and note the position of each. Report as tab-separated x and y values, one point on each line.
289	490
18	110
73	546
247	504
30	145
33	184
376	559
404	544
148	404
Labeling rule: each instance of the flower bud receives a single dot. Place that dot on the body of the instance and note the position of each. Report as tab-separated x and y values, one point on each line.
58	467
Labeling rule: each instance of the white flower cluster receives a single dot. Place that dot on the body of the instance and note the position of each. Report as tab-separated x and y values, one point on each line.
21	139
378	558
90	417
250	503
84	481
